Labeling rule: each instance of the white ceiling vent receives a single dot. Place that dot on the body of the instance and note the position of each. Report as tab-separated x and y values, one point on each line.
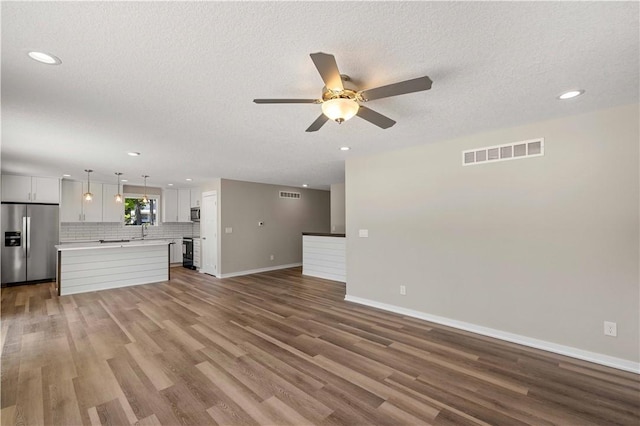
510	151
288	194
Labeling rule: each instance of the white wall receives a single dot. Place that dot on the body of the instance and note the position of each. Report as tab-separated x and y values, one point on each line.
338	213
545	248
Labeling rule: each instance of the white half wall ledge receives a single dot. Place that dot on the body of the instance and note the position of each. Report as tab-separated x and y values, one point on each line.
597	358
257	271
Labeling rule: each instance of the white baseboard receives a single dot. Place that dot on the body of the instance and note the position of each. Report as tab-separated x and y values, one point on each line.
257	271
609	361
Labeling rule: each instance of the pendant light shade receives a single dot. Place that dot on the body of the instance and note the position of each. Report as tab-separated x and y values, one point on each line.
145	198
88	196
118	196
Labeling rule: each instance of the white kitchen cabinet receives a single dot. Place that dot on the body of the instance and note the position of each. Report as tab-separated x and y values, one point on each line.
73	207
16	188
92	210
178	256
30	189
71	201
175	255
184	205
45	190
196	197
197	253
176	205
170	205
111	211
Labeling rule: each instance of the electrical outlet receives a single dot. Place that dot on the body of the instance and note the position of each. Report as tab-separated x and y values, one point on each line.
272	257
403	290
610	329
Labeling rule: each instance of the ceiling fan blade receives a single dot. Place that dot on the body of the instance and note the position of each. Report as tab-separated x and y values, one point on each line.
328	69
315	126
375	117
407	86
286	101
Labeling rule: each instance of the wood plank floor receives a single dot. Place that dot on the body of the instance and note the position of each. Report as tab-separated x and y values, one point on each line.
277	348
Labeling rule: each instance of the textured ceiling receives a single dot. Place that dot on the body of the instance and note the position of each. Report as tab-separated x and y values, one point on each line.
176	80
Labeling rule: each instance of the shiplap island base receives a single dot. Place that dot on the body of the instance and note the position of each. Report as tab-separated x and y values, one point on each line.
84	267
323	256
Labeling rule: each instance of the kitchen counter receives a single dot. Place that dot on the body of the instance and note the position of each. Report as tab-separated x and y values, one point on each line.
109	244
323	234
91	266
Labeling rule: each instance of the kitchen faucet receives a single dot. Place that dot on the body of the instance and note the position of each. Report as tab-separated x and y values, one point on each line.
143	227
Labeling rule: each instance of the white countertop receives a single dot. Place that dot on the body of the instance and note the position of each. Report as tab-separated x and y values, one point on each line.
94	245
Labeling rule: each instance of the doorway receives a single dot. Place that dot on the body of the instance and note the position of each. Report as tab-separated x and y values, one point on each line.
209	231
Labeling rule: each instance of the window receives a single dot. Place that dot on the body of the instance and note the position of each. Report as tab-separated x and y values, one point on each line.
137	212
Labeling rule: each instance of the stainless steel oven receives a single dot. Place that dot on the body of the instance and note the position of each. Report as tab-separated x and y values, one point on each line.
187	253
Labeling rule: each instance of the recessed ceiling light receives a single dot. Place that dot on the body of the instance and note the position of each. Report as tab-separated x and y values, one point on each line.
66	175
133	154
305	185
45	58
188	179
169	184
344	148
570	94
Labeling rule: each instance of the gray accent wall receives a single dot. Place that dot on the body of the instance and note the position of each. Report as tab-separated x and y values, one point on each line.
338	213
249	246
544	247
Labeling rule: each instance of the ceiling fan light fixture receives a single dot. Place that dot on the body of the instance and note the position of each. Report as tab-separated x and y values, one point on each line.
340	109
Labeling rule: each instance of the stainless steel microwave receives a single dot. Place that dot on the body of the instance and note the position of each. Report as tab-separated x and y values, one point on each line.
195	214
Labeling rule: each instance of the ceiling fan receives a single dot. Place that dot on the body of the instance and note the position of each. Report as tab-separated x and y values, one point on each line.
340	101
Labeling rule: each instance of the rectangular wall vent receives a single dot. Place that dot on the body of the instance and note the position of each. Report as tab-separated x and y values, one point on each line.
288	194
510	151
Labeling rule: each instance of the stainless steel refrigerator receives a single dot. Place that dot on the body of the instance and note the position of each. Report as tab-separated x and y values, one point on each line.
30	233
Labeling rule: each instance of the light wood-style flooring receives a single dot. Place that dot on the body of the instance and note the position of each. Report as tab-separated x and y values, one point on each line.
276	349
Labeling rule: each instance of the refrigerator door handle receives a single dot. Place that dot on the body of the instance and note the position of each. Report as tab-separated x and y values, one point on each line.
28	236
24	236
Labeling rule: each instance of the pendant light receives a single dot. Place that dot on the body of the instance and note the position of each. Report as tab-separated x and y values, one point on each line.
88	196
145	199
118	195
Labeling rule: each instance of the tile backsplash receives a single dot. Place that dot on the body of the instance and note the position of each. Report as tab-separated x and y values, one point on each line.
71	232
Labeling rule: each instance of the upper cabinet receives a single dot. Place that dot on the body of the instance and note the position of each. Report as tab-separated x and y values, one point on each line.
111	210
71	203
28	189
74	208
170	205
184	205
176	205
196	196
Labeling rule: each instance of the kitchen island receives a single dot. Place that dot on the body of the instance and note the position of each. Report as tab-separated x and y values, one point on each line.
323	256
84	267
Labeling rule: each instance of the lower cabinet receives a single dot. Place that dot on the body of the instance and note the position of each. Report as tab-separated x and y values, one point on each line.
176	251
